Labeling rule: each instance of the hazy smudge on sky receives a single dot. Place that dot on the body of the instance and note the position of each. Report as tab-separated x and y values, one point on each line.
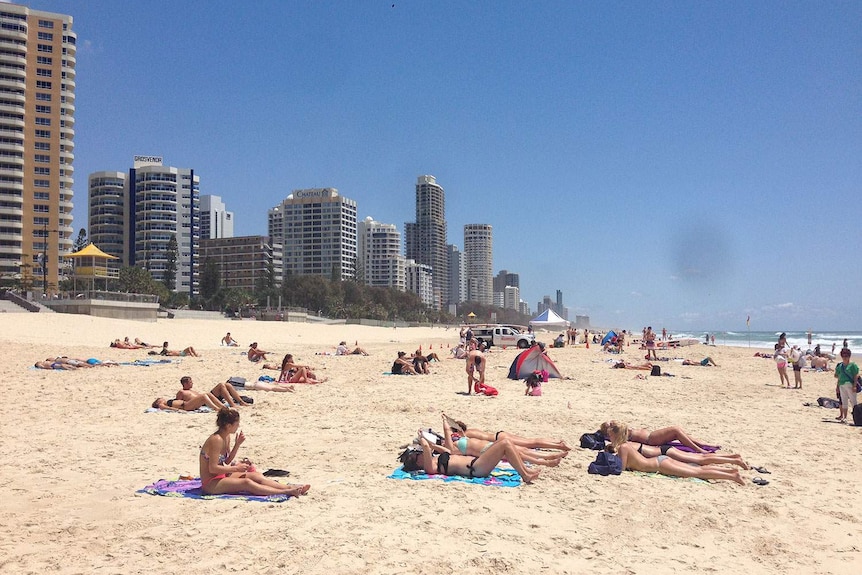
700	254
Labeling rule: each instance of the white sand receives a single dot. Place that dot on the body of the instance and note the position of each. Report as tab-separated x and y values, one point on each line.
77	445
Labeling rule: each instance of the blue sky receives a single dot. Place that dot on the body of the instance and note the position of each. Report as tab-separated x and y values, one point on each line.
676	164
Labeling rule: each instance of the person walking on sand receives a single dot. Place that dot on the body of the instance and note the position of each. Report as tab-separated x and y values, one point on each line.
780	357
846	373
649	341
797	358
476	361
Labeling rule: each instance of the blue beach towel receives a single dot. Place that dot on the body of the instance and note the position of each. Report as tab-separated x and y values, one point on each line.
500	477
191	489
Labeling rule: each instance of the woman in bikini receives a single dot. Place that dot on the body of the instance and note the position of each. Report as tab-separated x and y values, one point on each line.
293	373
476	447
633	460
220	474
464	465
204	399
461	428
659	437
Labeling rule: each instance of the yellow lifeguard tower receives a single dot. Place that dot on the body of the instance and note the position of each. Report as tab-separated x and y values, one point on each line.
90	264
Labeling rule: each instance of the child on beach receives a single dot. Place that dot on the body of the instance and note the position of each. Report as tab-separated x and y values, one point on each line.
534	385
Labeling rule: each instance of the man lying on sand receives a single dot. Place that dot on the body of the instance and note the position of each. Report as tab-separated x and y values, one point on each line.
221	392
707	361
187	351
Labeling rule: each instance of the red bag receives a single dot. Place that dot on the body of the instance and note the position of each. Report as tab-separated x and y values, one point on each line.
484	389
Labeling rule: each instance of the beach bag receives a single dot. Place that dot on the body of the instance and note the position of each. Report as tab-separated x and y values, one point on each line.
656	370
483	389
593	441
236	381
857	415
606	464
828	402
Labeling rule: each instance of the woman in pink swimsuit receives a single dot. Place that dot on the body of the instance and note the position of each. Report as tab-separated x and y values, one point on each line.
220	474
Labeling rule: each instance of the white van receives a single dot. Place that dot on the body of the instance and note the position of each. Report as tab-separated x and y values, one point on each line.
502	336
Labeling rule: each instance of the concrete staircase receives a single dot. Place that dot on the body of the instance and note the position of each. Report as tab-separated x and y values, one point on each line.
9	307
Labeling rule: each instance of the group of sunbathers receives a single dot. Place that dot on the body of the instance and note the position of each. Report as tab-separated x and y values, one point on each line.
71	363
470	452
415	364
188	399
138	344
126	344
473	453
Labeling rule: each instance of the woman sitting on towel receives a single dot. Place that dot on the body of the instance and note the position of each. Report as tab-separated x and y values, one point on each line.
476	447
293	373
658	437
633	460
461	428
464	465
221	474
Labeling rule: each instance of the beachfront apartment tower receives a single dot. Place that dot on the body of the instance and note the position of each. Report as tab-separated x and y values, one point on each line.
317	230
243	262
134	215
37	119
457	276
216	221
106	213
420	281
379	261
425	239
479	260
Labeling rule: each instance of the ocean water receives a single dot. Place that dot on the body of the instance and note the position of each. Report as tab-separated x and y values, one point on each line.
768	339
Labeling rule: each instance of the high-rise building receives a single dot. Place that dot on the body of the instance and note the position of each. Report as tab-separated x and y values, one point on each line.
511	297
242	261
419	281
457	275
37	119
216	221
379	261
479	260
106	217
317	230
425	239
505	278
134	216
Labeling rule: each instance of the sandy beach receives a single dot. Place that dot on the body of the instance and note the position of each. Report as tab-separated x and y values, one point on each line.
78	445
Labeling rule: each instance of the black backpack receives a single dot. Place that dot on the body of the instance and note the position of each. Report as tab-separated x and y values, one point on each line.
656	370
857	415
594	441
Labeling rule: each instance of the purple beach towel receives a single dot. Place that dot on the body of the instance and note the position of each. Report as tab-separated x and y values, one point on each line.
191	489
707	448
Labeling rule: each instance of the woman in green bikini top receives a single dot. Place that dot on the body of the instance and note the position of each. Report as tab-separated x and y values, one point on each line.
476	447
464	465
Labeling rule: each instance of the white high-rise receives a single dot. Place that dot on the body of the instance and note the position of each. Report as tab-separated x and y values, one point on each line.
317	230
216	221
380	262
479	260
133	217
